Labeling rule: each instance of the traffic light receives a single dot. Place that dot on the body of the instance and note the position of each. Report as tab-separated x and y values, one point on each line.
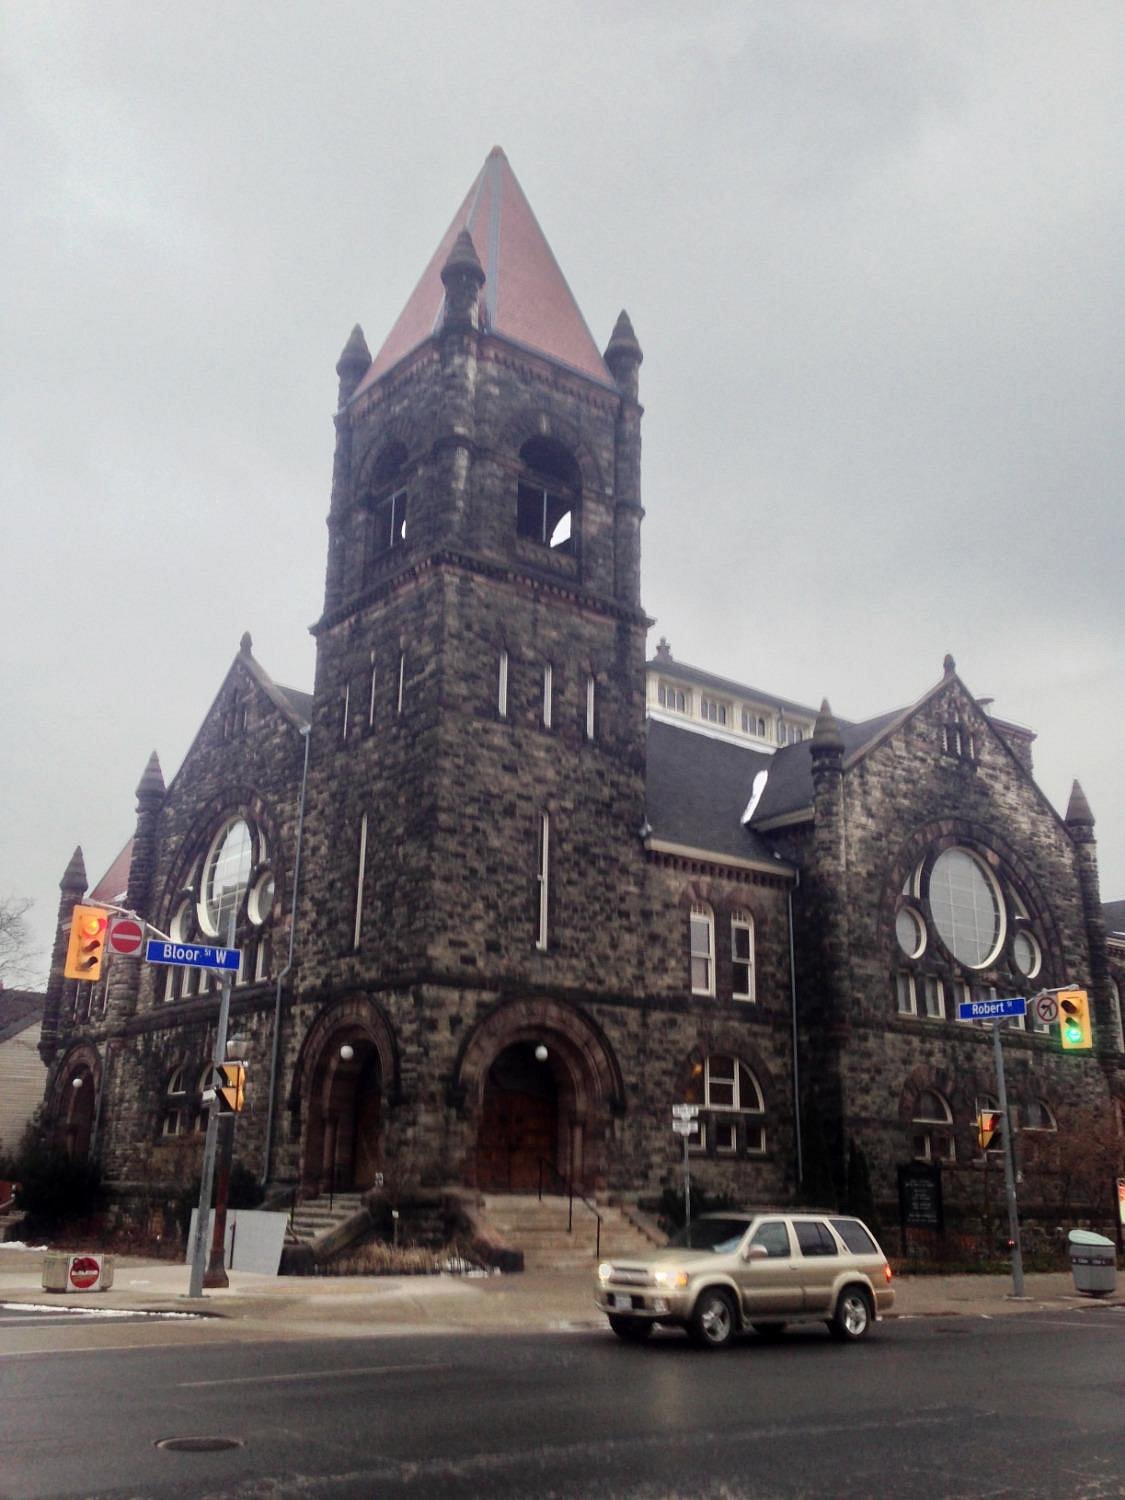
988	1123
86	948
230	1087
1074	1020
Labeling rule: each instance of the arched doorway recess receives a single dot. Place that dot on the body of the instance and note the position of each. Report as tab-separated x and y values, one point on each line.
346	1064
541	1085
76	1097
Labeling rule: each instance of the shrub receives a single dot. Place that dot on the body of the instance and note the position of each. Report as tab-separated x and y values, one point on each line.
54	1190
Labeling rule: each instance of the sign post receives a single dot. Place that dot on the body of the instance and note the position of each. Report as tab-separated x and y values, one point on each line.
684	1117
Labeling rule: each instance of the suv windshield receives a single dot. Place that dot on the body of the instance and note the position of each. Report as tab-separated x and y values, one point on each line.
720	1235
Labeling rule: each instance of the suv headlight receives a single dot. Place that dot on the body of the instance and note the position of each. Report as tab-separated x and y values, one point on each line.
605	1271
671	1278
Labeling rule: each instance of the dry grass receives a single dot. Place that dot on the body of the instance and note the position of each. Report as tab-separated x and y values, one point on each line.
381	1259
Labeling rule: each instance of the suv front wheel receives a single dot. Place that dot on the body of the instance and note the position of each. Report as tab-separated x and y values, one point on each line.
713	1320
852	1317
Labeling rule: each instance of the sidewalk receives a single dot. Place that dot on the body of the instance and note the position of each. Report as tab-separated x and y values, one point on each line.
534	1301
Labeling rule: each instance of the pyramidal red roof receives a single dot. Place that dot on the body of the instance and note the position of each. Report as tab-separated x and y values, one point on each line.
525	297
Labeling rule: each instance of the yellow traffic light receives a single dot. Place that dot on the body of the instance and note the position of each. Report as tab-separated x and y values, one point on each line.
231	1087
1074	1021
86	948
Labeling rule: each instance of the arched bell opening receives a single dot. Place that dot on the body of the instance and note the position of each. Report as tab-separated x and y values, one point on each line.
343	1138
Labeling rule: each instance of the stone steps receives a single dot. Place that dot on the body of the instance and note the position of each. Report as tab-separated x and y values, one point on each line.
314	1218
539	1229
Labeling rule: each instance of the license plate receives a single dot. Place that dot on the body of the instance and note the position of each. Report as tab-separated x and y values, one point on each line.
619	1299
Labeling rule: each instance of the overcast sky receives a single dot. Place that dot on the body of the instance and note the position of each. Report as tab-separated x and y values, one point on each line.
873	253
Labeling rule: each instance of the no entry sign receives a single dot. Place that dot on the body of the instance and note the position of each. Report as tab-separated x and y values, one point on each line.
125	935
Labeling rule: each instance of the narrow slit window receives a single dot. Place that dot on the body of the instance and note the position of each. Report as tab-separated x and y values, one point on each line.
543	879
502	686
361	870
401	679
591	703
347	711
371	696
548	691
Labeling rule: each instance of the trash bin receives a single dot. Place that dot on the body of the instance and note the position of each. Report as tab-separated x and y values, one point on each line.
1093	1262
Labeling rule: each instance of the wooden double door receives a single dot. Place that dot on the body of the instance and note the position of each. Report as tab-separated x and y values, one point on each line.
519	1125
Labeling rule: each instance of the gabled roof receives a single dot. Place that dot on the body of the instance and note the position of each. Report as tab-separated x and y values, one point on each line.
697	789
114	884
790	786
525	298
19	1009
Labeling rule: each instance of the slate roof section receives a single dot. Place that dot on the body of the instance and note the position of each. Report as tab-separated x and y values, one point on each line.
19	1009
697	789
1114	913
790	787
525	298
115	882
680	669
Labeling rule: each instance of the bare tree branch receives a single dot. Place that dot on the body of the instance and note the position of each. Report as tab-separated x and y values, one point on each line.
18	956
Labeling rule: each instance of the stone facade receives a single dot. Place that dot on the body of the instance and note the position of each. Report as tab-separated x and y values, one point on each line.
477	945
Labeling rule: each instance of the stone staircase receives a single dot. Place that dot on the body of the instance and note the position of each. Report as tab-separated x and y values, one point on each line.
538	1228
314	1218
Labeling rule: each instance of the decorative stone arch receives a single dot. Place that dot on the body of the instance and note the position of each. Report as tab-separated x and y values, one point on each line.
584	1087
931	839
235	801
927	1079
339	1101
378	440
535	421
73	1100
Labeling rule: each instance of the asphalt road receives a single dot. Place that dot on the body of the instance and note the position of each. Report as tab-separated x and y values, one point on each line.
1030	1406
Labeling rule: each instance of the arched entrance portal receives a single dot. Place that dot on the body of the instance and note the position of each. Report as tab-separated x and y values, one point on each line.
520	1125
541	1085
75	1103
343	1141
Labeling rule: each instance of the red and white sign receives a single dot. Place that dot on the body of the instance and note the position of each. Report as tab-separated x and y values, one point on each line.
84	1273
1047	1009
125	935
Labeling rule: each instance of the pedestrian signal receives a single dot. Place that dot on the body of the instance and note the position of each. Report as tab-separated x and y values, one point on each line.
1074	1021
988	1123
86	949
230	1087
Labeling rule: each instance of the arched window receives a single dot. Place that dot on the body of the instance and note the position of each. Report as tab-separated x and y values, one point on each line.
702	935
176	1119
547	495
1037	1116
742	955
932	1128
231	875
732	1110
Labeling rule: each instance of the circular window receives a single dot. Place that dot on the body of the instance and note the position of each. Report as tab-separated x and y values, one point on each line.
225	877
261	899
966	908
1026	955
910	932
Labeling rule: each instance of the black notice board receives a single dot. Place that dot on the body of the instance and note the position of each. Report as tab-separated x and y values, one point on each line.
919	1196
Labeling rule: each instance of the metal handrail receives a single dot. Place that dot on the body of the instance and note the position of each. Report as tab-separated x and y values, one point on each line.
571	1195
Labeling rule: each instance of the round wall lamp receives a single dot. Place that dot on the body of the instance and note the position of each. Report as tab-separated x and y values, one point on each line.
76	1083
347	1052
540	1053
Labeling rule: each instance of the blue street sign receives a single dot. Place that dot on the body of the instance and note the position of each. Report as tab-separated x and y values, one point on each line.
191	955
991	1010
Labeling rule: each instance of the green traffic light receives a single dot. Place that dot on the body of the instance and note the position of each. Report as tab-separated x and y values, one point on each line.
1073	1032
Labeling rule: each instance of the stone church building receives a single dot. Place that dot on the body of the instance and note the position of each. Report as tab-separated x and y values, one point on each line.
505	890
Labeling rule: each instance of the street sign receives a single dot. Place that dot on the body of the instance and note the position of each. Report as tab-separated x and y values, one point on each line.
1046	1009
991	1010
125	935
191	955
683	1127
684	1111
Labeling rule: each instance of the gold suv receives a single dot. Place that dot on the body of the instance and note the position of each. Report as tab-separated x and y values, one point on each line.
730	1271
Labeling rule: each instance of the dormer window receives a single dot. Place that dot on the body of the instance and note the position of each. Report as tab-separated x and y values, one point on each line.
547	496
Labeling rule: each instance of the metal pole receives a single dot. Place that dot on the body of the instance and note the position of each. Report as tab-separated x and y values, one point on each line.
687	1185
207	1177
1009	1165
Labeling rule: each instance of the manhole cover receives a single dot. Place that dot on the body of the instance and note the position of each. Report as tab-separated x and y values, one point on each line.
198	1444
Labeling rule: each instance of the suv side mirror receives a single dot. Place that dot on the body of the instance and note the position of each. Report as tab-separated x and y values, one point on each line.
755	1252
